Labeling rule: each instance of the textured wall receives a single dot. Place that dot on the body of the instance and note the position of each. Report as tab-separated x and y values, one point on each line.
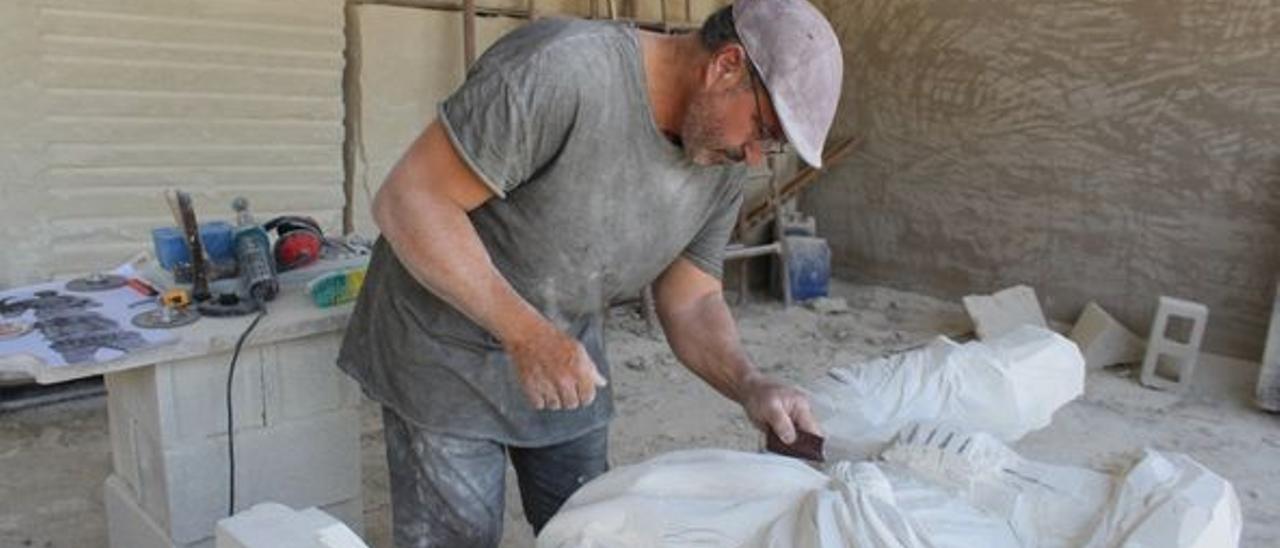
1111	151
105	103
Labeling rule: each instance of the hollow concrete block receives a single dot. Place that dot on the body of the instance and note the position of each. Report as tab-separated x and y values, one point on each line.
1181	356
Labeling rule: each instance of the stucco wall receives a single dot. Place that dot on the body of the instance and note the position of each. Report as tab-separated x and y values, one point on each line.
1109	151
106	103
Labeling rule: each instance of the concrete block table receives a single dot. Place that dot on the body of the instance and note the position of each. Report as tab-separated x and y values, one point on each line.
297	427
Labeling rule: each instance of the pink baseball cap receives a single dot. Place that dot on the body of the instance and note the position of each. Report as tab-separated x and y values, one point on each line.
798	56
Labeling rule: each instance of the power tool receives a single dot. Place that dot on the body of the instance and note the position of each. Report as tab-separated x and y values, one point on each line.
253	255
253	260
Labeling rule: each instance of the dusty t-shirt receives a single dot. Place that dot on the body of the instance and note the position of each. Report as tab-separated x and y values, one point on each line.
592	204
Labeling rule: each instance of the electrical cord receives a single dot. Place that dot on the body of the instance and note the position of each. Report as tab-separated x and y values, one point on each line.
231	431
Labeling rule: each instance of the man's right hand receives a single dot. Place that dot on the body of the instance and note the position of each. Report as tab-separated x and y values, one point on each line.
555	370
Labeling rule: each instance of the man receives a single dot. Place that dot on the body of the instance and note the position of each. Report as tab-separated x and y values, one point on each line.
579	162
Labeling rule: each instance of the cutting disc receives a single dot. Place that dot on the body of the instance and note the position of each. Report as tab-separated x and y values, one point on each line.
95	282
162	318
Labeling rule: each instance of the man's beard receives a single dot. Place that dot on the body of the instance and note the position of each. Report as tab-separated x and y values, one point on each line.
702	133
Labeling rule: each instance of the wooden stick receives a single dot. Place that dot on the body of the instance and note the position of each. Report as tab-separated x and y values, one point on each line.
469	31
440	5
764	212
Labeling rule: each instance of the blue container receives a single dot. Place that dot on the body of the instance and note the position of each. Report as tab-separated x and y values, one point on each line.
171	246
809	265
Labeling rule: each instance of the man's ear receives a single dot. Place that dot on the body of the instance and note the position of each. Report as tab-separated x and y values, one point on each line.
728	67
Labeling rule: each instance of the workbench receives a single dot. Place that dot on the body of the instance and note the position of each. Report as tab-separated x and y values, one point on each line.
297	427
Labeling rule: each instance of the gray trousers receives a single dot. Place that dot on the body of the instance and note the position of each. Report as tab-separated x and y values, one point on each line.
448	491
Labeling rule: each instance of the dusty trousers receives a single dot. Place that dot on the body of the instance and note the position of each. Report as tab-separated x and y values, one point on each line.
448	491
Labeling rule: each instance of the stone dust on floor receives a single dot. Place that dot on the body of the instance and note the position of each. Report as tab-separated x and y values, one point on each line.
53	459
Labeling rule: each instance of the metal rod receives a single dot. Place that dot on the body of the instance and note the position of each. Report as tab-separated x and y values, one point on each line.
747	252
688	11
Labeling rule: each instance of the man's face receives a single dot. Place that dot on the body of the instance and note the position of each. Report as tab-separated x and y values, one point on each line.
731	118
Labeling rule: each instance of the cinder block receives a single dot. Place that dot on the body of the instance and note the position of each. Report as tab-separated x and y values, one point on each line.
1104	341
193	396
302	379
299	463
136	451
124	460
132	405
1004	311
169	444
1181	356
129	526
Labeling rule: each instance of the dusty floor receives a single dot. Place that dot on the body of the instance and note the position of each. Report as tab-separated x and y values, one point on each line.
53	459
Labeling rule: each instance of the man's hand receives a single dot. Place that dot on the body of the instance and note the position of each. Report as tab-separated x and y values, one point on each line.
778	407
555	370
702	334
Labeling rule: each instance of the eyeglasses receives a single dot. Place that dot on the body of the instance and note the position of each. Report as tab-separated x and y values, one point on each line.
769	142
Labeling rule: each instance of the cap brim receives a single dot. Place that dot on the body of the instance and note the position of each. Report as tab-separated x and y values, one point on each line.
808	146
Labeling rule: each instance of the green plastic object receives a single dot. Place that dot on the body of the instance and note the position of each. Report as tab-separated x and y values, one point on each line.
336	288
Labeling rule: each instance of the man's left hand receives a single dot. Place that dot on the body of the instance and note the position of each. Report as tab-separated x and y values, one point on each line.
779	407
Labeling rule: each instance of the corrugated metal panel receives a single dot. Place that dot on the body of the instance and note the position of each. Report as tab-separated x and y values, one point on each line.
218	97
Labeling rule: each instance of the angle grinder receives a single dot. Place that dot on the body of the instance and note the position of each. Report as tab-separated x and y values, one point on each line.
257	272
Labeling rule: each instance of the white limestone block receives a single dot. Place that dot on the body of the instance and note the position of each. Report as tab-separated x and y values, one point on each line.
274	525
1002	312
1103	340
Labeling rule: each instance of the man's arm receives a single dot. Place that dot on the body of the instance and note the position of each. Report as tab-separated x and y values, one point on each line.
703	336
421	210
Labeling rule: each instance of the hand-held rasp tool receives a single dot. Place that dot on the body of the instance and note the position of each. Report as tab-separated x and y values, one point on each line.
806	446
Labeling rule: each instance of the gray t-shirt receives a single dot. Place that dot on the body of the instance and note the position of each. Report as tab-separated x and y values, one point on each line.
593	203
